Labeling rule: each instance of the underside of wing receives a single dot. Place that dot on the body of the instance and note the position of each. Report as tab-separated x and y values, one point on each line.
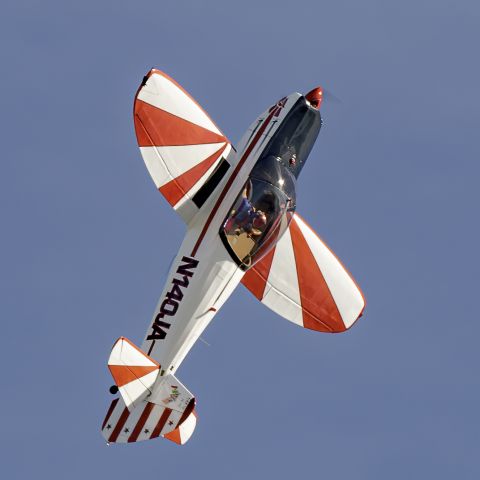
181	146
303	281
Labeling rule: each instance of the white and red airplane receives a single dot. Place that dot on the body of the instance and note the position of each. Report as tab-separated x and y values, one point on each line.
239	208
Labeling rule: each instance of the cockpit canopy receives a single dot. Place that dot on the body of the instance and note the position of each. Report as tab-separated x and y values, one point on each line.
295	137
261	212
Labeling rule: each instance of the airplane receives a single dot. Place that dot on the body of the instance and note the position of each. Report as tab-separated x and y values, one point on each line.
239	206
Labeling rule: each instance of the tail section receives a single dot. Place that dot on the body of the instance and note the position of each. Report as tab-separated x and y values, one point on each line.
150	405
134	372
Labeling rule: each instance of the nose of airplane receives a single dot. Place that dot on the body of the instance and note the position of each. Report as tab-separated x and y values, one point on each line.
315	97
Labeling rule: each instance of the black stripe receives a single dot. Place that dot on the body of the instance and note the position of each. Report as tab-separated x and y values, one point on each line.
211	184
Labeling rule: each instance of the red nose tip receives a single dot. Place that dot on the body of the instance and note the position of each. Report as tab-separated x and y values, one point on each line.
315	97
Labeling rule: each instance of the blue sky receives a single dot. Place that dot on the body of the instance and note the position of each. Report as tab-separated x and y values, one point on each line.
391	185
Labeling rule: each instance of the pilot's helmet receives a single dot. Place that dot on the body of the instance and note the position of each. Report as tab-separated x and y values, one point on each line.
260	220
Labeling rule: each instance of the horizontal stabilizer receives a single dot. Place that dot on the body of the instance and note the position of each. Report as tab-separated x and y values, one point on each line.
183	433
133	371
147	421
150	405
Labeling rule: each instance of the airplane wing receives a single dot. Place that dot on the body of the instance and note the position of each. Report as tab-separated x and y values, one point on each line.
303	281
184	151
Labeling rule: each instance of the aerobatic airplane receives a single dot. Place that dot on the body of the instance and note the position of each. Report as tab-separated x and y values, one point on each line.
239	208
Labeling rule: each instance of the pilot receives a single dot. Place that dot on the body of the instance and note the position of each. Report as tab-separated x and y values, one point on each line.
246	218
257	220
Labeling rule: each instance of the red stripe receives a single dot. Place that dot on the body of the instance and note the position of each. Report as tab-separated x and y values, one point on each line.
155	71
188	410
110	410
336	258
339	261
230	181
174	436
256	277
174	190
123	374
163	420
141	422
119	425
320	312
156	127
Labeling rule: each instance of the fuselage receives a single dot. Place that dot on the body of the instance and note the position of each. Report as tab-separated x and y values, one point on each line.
240	220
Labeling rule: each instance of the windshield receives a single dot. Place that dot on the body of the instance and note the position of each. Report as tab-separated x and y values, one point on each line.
294	139
263	209
260	214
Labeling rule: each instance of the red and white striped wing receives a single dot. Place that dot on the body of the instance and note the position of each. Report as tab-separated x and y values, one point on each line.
180	144
303	281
